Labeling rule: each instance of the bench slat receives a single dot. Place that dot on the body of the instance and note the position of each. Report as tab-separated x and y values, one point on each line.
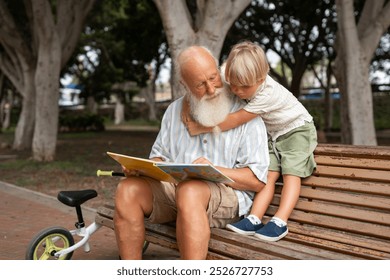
352	251
371	243
363	228
352	173
236	251
344	212
365	163
379	152
348	185
236	246
364	200
282	249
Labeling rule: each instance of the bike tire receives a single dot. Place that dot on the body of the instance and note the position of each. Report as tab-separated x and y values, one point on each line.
58	239
145	246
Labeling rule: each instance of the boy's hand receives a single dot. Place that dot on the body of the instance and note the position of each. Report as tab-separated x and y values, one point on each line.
195	128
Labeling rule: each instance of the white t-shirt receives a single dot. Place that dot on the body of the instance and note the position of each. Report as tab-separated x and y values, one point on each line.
278	107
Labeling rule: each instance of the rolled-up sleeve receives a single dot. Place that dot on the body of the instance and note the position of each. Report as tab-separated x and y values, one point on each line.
161	145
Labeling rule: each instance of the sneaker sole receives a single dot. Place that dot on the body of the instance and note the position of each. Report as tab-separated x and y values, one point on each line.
271	239
237	230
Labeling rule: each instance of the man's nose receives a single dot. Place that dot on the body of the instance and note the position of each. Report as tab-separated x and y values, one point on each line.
210	88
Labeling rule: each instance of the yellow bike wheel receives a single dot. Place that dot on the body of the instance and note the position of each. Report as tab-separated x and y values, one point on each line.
49	241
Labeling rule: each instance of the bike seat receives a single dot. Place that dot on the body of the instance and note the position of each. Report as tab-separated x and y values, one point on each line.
76	198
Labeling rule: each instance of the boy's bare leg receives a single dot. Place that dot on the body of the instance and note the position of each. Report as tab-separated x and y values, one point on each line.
192	224
133	201
290	194
264	197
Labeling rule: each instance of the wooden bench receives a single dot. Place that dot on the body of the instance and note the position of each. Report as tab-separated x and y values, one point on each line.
343	213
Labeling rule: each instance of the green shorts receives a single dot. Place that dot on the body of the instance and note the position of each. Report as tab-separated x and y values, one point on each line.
292	153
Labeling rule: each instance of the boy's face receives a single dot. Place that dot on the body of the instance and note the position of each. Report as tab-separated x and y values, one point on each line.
245	92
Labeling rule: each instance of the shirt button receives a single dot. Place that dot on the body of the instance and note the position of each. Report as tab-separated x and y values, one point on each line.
205	141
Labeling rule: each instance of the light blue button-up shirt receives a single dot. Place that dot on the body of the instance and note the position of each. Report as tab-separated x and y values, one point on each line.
244	146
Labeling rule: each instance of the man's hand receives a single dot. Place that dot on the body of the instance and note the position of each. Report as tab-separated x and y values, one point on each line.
202	160
130	172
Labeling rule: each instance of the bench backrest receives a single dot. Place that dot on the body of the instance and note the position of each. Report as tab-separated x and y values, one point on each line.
346	200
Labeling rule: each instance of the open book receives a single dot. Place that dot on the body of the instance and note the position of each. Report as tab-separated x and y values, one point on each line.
171	172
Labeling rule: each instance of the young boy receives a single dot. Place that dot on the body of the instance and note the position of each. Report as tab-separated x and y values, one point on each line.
292	137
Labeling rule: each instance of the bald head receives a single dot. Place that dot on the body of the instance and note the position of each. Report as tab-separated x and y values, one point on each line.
198	71
194	54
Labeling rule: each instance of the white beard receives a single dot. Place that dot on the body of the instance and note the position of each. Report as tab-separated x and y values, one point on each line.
208	111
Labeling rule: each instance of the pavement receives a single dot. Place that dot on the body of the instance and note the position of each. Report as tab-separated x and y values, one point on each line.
24	213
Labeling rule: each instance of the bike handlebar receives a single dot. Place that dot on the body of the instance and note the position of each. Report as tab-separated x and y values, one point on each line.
109	173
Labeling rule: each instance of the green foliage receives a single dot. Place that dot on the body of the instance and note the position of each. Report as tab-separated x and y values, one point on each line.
80	123
124	36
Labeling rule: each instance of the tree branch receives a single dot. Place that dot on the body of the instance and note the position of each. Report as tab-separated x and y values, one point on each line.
173	14
71	16
371	33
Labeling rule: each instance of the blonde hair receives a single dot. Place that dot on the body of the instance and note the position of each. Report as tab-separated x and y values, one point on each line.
246	64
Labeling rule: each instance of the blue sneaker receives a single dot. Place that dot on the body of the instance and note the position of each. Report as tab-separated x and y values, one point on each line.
244	227
271	231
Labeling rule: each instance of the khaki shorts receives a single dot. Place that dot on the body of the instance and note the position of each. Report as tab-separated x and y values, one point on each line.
292	153
222	208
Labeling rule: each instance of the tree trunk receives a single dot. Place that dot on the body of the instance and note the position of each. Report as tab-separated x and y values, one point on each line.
91	106
2	101
6	110
46	83
149	93
329	102
47	87
119	110
213	20
296	80
355	46
52	39
25	126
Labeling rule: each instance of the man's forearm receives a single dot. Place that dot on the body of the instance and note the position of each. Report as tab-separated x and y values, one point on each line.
243	178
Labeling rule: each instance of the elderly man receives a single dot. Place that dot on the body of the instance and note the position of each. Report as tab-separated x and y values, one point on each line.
195	205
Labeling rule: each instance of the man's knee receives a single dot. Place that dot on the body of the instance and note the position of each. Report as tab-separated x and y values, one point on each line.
190	194
132	192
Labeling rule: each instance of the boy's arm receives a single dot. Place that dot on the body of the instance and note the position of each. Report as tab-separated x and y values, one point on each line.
232	120
236	119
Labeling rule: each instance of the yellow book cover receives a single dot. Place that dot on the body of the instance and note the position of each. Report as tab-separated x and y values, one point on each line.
144	166
171	172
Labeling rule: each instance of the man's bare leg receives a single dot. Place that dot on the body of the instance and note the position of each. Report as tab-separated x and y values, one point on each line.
133	200
192	225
